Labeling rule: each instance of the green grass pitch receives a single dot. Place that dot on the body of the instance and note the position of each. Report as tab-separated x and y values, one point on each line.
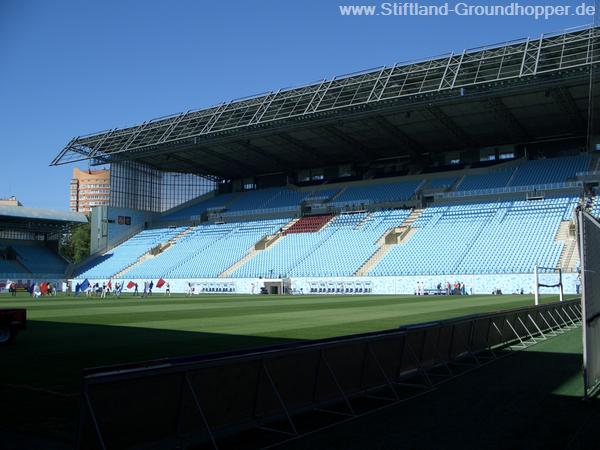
41	370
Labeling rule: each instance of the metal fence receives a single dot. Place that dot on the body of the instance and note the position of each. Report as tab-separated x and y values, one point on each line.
283	392
538	188
588	231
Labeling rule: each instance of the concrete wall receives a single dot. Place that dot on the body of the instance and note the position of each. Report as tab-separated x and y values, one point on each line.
106	228
475	284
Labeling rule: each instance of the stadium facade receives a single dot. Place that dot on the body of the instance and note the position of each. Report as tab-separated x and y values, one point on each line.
10	201
465	168
29	244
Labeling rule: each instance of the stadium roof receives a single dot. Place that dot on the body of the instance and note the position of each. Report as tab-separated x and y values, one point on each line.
17	213
517	92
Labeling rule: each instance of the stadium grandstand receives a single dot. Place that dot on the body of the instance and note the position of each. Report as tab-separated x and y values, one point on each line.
467	166
464	174
29	244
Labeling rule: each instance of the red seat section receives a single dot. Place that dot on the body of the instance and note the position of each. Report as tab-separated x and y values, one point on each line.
309	224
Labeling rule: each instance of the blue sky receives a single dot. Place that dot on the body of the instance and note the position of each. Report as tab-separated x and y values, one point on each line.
69	68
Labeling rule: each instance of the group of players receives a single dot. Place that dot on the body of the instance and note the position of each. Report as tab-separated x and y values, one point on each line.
107	288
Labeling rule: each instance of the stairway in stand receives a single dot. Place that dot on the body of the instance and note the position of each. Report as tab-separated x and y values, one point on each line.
265	243
394	236
153	252
570	255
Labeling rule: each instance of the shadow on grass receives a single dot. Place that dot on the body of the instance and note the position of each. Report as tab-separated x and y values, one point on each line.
528	400
40	373
531	399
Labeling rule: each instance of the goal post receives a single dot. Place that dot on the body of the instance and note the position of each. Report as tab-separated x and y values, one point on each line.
538	284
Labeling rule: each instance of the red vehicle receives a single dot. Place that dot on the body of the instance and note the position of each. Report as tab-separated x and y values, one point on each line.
11	322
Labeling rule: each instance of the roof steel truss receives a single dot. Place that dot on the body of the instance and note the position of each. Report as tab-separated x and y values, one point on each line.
520	59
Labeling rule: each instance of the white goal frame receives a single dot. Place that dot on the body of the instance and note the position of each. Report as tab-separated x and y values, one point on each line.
537	284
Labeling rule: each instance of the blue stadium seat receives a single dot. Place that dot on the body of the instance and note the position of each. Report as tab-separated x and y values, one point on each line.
440	183
40	259
198	208
502	237
377	193
127	253
553	170
338	249
596	208
268	199
492	237
10	267
492	180
497	237
528	173
207	250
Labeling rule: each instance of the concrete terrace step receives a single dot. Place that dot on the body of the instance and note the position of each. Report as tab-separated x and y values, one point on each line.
394	236
252	252
370	263
362	222
153	252
340	192
138	261
263	244
570	255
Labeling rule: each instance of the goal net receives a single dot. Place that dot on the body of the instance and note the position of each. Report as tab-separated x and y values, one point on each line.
588	229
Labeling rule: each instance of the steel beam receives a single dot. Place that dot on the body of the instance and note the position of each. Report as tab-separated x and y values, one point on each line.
400	136
354	146
317	156
269	157
246	168
507	120
197	168
566	103
454	130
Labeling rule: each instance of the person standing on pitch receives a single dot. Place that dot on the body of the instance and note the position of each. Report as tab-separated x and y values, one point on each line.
168	289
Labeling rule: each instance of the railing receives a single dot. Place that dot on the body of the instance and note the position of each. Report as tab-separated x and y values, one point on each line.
351	204
369	206
317	199
589	173
511	189
216	209
182	402
165	223
256	212
369	202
